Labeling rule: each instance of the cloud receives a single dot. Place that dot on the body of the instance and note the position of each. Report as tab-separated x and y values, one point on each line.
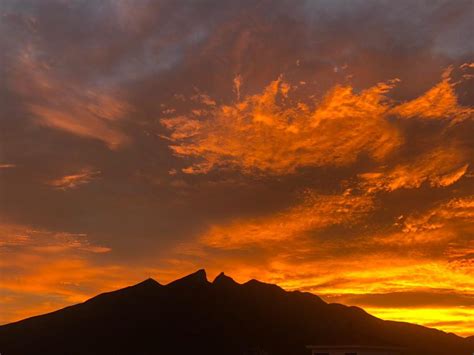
438	103
85	110
314	212
407	299
65	270
277	133
457	320
7	166
451	212
15	237
73	181
269	133
440	167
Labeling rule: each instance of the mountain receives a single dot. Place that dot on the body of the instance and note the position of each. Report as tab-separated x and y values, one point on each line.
470	340
194	316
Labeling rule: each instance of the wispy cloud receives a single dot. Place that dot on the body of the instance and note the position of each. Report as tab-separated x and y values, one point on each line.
82	109
438	103
314	212
440	167
64	272
73	181
22	237
7	166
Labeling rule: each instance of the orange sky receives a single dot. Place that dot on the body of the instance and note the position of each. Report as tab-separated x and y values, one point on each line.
292	143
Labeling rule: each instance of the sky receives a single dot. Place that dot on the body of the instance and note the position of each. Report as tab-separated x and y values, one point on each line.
325	146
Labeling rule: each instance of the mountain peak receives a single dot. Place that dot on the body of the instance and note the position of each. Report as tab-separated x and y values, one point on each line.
196	278
224	280
149	282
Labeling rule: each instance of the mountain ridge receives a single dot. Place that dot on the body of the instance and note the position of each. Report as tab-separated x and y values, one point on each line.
192	314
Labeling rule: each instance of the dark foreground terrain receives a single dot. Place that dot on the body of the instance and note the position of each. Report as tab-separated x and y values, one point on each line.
194	316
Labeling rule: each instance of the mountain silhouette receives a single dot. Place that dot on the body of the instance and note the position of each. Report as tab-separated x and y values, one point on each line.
194	316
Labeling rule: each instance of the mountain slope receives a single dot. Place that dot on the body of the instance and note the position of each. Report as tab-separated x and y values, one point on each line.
194	316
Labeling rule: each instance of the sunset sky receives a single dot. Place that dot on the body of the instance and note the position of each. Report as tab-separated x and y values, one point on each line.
325	146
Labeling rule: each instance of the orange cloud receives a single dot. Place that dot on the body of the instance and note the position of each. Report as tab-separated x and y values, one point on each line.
455	210
274	133
15	237
56	281
75	108
439	167
438	103
269	134
316	211
73	181
43	270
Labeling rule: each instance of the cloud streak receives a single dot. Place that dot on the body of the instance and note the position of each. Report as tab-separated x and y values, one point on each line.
316	211
438	103
440	167
73	181
64	272
83	110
